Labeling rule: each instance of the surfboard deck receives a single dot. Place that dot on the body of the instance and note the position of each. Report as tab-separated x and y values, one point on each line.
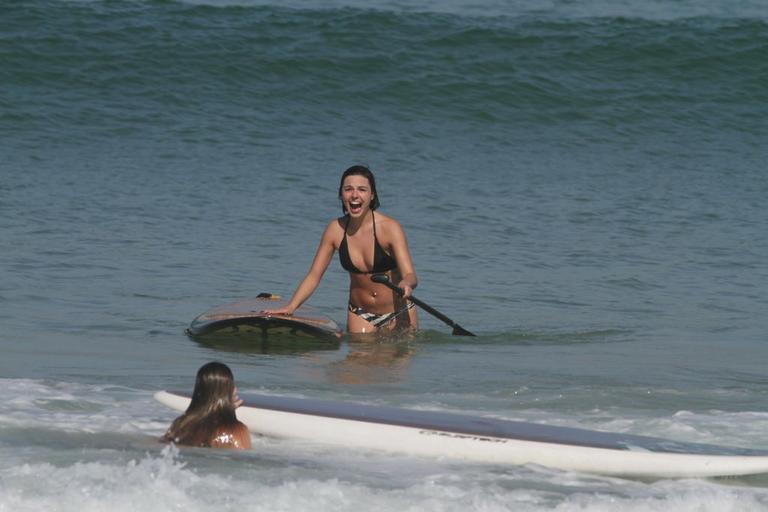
490	440
245	320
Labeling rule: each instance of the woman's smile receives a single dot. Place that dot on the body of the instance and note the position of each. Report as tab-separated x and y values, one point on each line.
355	207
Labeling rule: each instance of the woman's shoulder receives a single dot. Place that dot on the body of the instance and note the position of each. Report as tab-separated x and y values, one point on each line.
387	224
235	436
335	229
336	224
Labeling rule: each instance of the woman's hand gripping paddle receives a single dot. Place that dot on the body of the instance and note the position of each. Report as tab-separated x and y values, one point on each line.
457	329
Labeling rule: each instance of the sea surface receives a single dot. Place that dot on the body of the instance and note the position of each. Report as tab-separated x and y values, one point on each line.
582	183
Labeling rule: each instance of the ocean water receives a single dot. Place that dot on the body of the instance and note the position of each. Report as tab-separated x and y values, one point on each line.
582	184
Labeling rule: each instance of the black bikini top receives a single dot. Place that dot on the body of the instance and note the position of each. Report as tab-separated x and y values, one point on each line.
382	262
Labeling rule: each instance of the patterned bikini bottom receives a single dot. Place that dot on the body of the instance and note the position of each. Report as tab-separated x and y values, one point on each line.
379	320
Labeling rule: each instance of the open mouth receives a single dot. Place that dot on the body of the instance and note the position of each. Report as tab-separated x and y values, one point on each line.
355	206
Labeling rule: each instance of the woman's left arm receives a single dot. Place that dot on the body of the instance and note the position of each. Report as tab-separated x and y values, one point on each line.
402	254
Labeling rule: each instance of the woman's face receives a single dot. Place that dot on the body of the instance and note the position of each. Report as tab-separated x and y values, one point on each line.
356	194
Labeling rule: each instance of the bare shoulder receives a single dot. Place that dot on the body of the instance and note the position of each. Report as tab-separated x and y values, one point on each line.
386	221
388	225
232	436
334	231
336	226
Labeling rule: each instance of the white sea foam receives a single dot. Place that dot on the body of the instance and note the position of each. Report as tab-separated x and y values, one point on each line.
75	407
746	429
166	482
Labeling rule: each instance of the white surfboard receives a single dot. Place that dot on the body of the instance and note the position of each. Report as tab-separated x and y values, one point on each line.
427	433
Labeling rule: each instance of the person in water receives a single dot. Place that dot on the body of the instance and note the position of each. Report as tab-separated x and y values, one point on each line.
368	243
210	419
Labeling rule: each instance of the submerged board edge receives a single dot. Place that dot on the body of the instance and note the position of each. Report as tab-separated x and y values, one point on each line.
247	314
265	323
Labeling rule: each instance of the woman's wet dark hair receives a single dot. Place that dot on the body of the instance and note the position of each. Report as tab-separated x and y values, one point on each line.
213	387
360	170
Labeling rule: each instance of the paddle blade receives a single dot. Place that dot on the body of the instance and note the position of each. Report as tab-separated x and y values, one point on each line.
460	331
380	278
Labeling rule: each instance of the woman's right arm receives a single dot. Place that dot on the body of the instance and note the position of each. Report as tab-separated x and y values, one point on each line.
310	282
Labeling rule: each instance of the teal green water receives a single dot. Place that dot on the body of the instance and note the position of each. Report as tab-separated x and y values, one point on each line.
582	185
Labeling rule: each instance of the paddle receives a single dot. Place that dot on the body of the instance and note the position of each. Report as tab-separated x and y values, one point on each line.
457	329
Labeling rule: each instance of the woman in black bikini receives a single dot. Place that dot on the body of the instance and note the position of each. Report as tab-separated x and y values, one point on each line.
368	244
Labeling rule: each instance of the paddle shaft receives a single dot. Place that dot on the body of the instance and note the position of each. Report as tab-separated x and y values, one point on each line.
457	329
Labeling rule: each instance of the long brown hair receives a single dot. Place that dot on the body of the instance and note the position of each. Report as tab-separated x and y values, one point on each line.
211	407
